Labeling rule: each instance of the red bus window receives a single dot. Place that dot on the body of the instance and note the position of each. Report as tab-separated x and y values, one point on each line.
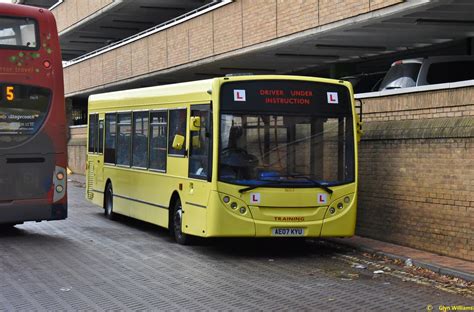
18	32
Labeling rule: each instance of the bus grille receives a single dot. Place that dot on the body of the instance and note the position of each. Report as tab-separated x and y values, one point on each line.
26	176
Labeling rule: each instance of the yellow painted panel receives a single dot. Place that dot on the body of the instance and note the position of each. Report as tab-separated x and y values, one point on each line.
343	222
225	223
195	204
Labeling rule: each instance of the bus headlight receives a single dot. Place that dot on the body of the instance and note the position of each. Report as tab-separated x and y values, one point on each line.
235	205
340	205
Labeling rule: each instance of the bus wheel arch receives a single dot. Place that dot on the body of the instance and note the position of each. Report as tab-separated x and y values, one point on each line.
175	220
174	198
109	200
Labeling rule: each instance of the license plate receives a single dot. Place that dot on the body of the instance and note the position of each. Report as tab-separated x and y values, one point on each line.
287	232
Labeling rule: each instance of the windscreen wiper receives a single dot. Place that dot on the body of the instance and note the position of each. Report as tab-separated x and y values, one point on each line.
267	183
314	182
279	182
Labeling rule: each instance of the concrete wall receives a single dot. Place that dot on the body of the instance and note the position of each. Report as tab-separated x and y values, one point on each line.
234	26
417	171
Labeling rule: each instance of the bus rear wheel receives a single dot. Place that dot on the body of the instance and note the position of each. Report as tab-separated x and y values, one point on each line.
109	203
180	237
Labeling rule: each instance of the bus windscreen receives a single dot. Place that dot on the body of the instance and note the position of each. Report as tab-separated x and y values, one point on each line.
22	112
286	134
18	32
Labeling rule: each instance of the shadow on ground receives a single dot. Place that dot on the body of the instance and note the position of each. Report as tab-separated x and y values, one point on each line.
242	247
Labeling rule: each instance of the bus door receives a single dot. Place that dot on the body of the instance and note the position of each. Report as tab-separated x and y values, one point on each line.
200	165
99	169
95	156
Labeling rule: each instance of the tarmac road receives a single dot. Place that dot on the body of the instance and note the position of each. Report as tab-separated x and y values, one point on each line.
88	262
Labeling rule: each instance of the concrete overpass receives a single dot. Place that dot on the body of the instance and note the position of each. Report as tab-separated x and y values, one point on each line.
308	37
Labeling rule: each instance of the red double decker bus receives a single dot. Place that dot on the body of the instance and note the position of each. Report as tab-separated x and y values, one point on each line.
33	135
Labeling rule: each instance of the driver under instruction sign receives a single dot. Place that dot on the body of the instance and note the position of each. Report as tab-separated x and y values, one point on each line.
301	97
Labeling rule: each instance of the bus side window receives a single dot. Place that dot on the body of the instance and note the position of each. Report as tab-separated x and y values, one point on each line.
177	127
140	140
124	130
110	138
93	125
158	139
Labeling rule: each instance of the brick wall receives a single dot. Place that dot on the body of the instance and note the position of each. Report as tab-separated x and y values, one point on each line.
178	45
72	11
157	52
416	170
294	16
201	43
227	30
139	57
258	21
234	26
335	10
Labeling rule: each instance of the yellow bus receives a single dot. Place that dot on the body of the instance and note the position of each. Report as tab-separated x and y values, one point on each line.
239	156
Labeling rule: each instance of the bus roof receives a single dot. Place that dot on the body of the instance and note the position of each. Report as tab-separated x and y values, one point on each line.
11	9
171	93
189	92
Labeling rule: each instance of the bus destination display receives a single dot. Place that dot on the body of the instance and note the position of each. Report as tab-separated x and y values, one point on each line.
285	96
22	108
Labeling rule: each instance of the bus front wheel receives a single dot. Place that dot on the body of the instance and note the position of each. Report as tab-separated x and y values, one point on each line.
180	237
109	203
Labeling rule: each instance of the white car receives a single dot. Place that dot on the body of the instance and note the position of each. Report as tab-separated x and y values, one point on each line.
426	71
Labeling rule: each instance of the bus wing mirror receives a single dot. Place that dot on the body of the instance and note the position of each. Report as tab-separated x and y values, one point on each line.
195	123
178	142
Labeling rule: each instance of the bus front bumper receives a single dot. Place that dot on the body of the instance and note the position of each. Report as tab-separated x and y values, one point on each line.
281	222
